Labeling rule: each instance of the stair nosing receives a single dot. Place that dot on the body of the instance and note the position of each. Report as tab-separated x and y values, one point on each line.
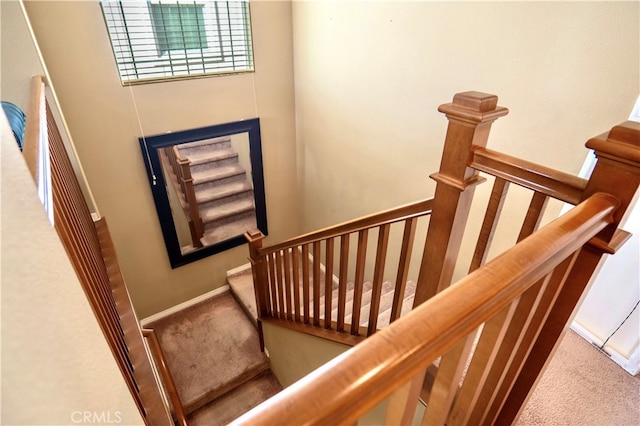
213	214
215	193
206	176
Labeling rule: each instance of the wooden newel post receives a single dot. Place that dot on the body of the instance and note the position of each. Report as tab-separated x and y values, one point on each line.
186	181
259	271
470	117
617	172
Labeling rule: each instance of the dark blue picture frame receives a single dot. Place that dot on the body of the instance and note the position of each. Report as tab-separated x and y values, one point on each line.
150	146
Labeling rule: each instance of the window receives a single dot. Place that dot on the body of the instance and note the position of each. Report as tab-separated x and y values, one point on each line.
178	26
164	39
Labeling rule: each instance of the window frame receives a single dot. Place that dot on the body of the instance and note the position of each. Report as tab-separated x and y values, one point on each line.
137	51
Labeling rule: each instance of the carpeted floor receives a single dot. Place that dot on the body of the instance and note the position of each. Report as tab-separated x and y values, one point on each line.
583	387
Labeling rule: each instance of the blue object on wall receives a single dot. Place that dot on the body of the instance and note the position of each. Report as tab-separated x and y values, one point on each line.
17	120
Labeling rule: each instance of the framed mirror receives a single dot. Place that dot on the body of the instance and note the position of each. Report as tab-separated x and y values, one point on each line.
208	187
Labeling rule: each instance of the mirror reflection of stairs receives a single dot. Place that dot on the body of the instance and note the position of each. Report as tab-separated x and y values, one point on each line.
223	188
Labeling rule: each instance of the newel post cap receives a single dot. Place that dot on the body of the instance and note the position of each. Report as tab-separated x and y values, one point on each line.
254	236
622	143
474	106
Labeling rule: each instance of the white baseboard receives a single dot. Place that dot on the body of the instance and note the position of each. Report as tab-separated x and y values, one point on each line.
239	269
172	310
631	365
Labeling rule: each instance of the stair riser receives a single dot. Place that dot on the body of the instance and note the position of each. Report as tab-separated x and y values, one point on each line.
385	316
232	218
245	195
211	145
213	164
240	177
334	299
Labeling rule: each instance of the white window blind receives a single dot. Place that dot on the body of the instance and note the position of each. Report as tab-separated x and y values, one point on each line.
163	39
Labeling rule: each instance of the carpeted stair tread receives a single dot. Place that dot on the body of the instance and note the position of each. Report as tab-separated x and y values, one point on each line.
222	191
204	157
241	283
205	145
203	176
237	402
227	210
210	348
228	230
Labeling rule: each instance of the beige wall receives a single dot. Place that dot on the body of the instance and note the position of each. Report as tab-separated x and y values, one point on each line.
293	355
369	77
19	57
105	125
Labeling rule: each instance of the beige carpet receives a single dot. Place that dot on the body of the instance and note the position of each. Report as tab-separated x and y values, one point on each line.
582	386
210	348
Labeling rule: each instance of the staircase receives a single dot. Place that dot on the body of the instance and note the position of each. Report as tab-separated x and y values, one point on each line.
212	351
223	188
212	348
241	283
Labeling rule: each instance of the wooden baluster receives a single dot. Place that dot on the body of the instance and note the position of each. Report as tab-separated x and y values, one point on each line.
447	381
276	309
516	329
470	117
287	283
328	283
359	281
617	172
539	315
316	283
295	253
484	355
342	289
496	201
404	401
403	267
534	215
284	314
305	283
378	277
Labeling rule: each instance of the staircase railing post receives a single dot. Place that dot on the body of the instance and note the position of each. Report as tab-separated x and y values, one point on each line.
195	221
171	155
260	284
617	172
470	117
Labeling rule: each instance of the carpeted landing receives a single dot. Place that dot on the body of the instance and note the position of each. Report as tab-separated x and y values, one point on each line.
213	353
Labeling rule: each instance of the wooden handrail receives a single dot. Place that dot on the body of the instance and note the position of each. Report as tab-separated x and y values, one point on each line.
396	214
291	291
34	125
562	186
344	389
167	378
91	252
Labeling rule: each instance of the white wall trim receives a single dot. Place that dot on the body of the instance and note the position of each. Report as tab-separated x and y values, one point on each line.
238	270
184	305
631	364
